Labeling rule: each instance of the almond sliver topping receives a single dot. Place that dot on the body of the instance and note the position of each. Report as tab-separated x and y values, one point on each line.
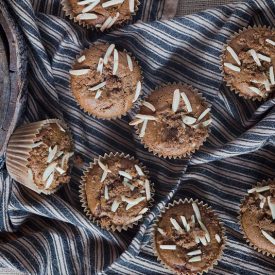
60	170
106	24
255	57
86	16
203	227
52	153
147	190
234	55
81	59
195	259
37	144
143	128
104	175
106	193
148	117
91	6
255	90
186	102
102	166
85	2
270	42
115	67
115	206
185	224
114	19
161	231
267	85
203	241
259	189
49	181
268	237
98	94
176	225
125	174
232	67
272	207
132	6
271	75
48	171
176	100
136	121
203	114
108	53
143	211
99	86
167	247
112	3
218	238
188	120
79	72
100	66
194	252
264	57
207	122
137	93
134	202
130	62
196	211
139	170
149	105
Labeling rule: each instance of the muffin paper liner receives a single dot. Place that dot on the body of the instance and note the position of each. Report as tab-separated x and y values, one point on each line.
187	154
83	197
155	226
66	7
243	201
135	104
254	98
18	152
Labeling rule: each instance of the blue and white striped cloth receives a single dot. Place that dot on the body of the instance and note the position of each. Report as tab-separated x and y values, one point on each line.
50	234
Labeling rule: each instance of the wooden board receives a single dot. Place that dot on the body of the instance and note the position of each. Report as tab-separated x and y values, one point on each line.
13	68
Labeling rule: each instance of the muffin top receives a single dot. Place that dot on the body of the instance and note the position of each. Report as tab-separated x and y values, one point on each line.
117	191
173	121
49	157
103	14
248	63
188	238
105	82
257	217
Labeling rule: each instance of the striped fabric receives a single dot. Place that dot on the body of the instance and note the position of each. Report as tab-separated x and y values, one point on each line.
50	234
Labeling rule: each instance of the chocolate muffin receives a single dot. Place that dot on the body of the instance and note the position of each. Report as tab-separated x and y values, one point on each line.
173	121
106	82
49	159
188	238
116	192
248	63
257	217
102	14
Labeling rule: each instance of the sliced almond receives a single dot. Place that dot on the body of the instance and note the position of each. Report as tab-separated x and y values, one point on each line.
147	117
186	102
268	237
176	100
143	211
272	207
232	67
255	57
259	189
114	19
132	6
264	57
185	224
85	2
98	94
207	122
137	92
234	55
106	24
48	171
126	183
188	120
143	128
86	16
203	241
81	59
52	153
161	232
108	53
194	252
149	106
91	6
102	166
147	189
196	211
37	144
99	68
115	206
134	202
106	193
79	72
130	63
176	225
203	227
98	86
167	247
203	114
49	181
136	121
115	67
60	170
111	3
271	75
139	170
195	259
104	175
270	42
125	174
218	238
